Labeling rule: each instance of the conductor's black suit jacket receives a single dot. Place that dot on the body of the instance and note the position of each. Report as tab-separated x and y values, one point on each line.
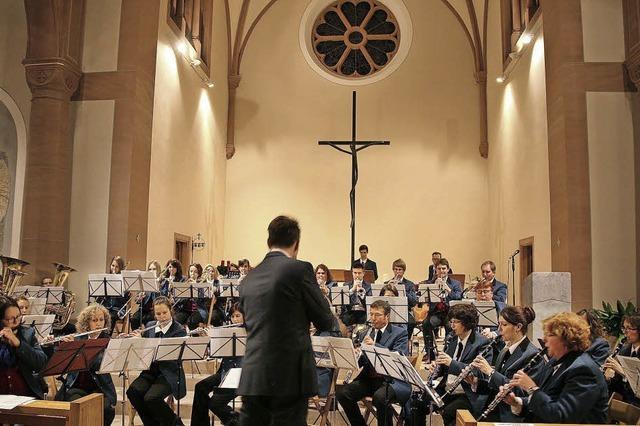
280	298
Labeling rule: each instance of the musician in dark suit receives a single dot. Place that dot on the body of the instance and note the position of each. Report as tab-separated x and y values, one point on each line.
368	383
484	293
366	263
356	312
432	271
82	383
148	391
21	357
488	269
599	348
619	383
571	388
399	268
513	324
280	298
437	315
461	351
114	304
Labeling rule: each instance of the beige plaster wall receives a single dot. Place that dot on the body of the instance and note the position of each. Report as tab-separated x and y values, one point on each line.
602	30
186	193
612	193
519	205
427	191
101	35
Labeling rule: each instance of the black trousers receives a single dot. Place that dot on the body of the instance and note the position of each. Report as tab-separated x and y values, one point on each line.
430	326
147	393
75	393
274	410
218	403
383	396
457	402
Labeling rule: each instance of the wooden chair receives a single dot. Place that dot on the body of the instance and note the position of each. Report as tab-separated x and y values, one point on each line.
370	410
323	405
623	413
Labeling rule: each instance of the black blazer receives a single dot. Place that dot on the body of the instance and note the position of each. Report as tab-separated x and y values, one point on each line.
280	298
576	393
169	369
30	359
621	386
503	373
369	265
599	350
473	348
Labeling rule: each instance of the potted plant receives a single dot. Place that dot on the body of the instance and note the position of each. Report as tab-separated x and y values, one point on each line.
611	317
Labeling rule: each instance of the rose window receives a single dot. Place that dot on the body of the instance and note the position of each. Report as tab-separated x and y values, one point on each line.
355	38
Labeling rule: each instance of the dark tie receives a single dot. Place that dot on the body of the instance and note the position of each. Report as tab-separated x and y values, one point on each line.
459	351
506	356
378	335
634	353
159	334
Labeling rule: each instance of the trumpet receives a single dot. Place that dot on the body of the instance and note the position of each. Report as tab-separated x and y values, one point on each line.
74	335
616	351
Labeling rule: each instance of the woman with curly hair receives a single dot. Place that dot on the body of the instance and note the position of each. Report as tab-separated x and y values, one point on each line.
571	388
82	383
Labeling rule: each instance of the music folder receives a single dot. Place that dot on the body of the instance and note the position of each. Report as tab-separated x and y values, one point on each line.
54	295
77	355
130	354
37	305
631	367
334	352
139	281
399	308
192	290
227	341
339	295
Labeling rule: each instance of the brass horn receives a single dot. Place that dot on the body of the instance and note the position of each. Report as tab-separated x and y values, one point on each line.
12	273
62	274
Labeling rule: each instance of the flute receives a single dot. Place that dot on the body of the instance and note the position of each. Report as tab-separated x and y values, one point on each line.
157	324
74	335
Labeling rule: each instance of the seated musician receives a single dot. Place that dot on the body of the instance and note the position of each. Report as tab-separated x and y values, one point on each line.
324	278
145	300
211	275
148	391
488	269
188	311
368	383
399	268
356	312
218	403
24	304
48	281
114	304
619	383
437	316
513	324
172	274
599	348
244	267
571	388
484	293
21	357
389	290
79	384
465	346
432	271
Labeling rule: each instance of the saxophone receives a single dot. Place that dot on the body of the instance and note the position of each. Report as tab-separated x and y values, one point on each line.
507	388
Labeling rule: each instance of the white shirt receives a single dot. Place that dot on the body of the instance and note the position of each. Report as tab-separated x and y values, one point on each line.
513	347
381	331
164	329
451	377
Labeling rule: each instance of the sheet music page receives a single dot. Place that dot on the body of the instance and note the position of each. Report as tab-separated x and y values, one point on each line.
9	402
232	379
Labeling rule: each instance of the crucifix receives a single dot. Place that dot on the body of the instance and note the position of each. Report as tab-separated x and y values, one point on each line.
352	147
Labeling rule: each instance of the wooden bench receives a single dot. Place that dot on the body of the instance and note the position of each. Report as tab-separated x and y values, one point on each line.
81	412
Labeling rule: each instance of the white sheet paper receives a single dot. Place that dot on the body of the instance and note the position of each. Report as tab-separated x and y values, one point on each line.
232	379
9	402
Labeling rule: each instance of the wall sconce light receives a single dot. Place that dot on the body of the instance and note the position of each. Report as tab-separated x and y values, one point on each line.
189	54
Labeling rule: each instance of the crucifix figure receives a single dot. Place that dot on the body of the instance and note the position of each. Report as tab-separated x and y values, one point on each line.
352	147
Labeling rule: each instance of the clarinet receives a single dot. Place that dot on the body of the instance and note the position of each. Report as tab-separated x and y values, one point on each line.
436	368
507	388
467	370
616	351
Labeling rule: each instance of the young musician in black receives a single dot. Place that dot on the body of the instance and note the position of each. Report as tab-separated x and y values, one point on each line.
618	382
114	304
147	392
82	383
356	312
218	403
21	357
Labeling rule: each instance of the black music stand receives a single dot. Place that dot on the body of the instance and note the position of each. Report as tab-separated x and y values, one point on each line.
182	349
105	285
399	308
77	355
227	342
42	324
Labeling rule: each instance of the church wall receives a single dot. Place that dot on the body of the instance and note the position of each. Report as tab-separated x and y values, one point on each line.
518	203
611	161
186	193
427	191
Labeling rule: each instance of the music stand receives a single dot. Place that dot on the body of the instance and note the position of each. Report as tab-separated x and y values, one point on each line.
181	349
43	325
430	293
192	290
226	281
339	295
399	308
227	342
77	355
37	305
631	368
487	312
105	285
231	290
130	354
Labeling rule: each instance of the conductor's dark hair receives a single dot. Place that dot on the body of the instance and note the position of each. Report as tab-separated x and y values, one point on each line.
363	247
382	304
466	314
283	232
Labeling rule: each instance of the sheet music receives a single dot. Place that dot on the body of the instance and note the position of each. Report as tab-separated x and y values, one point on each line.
192	290
43	325
222	341
114	285
37	305
52	294
631	367
130	354
232	379
487	312
9	402
169	348
334	352
230	290
399	308
226	281
139	281
339	295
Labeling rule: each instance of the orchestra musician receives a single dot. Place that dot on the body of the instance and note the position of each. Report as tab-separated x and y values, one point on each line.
465	346
389	290
488	270
244	267
368	383
324	278
172	274
437	316
619	383
599	348
484	293
435	260
570	388
356	312
218	402
366	263
24	304
148	391
513	324
192	312
79	384
21	357
145	299
114	304
399	268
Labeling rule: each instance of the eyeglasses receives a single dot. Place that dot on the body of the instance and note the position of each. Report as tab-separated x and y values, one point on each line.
629	328
487	290
13	319
455	321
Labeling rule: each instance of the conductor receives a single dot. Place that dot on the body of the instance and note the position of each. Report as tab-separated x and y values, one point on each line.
280	298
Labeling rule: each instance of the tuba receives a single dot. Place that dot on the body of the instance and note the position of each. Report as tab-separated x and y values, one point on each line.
12	273
64	311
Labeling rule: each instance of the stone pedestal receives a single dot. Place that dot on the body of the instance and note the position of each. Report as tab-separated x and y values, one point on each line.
547	293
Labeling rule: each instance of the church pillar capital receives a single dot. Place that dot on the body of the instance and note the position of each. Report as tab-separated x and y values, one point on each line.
53	78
